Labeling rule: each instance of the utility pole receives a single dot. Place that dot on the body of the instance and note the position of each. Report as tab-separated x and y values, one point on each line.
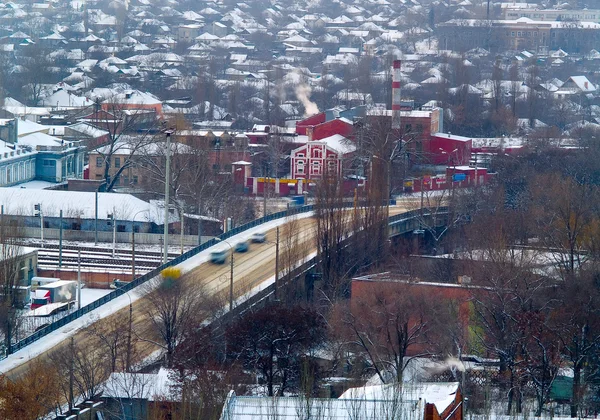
96	220
231	282
132	253
167	182
96	213
114	226
38	212
182	229
60	238
79	279
476	179
277	264
264	196
199	222
128	356
71	372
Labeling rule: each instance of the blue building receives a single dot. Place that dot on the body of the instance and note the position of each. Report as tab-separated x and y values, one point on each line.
32	154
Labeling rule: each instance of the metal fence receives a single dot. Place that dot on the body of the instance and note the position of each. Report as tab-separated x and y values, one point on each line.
107	237
152	274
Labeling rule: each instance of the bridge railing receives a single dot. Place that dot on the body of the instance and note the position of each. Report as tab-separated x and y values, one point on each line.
42	332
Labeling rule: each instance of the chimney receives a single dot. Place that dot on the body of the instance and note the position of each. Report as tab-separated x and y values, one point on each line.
586	84
309	133
396	101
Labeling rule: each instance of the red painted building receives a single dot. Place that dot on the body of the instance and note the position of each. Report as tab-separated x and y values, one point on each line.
450	149
416	128
313	160
311	121
341	126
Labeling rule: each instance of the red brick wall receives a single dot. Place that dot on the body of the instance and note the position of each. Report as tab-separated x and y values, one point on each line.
90	279
451	157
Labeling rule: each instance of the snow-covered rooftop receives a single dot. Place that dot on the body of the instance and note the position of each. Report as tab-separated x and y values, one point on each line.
77	204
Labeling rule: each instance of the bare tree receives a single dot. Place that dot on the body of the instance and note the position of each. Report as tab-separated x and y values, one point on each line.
115	340
33	395
129	131
82	370
333	226
565	215
11	266
389	327
293	251
175	306
273	341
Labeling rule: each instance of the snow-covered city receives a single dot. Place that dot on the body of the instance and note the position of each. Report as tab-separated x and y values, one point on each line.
299	209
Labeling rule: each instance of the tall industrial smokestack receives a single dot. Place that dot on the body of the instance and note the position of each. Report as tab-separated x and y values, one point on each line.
396	125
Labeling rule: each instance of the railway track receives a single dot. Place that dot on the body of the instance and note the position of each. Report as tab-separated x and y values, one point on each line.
94	259
107	249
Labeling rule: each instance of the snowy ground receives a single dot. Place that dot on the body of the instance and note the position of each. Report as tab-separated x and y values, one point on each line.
53	339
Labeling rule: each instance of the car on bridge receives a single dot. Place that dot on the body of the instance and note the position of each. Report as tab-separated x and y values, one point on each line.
258	237
218	257
242	246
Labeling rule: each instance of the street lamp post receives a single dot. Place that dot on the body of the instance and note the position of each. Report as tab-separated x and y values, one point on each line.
96	213
40	213
167	182
115	285
453	171
277	264
133	244
388	164
230	273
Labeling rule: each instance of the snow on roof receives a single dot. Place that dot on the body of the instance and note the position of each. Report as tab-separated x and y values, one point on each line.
498	142
582	83
296	38
26	127
441	394
338	143
88	129
148	386
78	204
137	97
451	137
127	145
64	99
252	408
39	139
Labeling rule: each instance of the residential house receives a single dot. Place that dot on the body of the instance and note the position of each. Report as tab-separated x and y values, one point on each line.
575	85
134	100
89	135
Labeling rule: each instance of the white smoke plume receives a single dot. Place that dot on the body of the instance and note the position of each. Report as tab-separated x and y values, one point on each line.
451	363
303	92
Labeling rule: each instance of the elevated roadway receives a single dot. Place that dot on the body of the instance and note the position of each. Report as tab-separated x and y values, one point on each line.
251	270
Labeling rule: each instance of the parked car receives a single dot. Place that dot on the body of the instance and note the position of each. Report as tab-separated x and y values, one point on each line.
258	237
242	246
218	257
